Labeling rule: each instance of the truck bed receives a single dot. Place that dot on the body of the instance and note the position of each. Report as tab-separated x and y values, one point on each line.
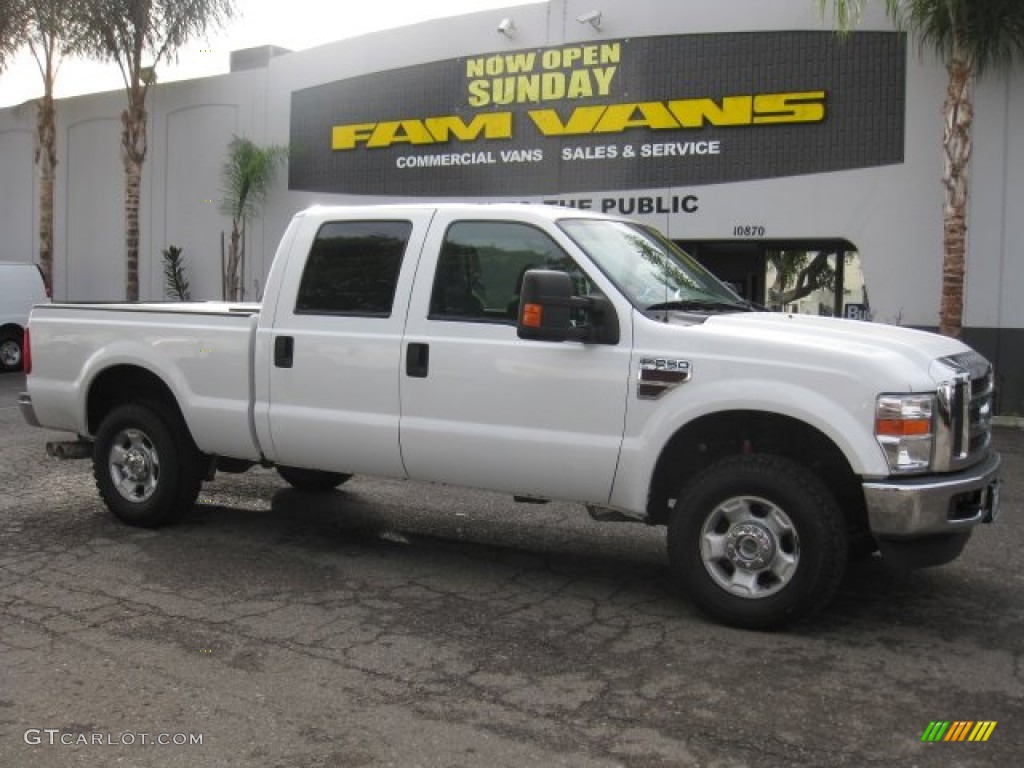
201	350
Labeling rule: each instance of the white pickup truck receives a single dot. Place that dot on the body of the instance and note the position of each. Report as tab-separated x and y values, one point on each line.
547	353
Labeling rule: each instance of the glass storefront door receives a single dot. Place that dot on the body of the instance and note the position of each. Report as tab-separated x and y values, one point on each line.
820	277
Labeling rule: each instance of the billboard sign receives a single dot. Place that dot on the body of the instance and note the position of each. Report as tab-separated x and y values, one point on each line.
636	113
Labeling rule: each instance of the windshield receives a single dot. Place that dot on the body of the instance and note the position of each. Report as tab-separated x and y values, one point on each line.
648	268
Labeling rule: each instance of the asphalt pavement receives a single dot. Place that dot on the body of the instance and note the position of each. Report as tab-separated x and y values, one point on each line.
398	624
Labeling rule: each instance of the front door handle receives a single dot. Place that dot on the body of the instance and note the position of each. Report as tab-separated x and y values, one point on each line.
417	360
284	351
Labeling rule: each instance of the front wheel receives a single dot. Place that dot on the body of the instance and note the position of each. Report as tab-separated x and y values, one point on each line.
147	469
311	479
758	541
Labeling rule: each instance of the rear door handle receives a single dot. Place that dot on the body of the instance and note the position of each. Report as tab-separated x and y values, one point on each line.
417	360
284	351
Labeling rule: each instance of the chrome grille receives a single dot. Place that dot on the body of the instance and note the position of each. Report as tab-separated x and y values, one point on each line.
979	413
965	412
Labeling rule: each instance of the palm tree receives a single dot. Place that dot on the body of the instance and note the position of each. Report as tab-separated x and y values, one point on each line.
54	29
246	177
971	38
125	31
50	29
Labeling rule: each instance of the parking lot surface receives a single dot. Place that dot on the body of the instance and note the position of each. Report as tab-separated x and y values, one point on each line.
397	624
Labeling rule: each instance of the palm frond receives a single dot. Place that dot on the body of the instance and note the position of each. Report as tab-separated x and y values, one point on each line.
14	19
247	176
987	34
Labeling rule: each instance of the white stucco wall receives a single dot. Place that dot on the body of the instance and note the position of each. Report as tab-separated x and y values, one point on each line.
17	177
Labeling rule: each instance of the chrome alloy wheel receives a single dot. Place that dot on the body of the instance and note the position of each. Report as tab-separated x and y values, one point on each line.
750	547
134	465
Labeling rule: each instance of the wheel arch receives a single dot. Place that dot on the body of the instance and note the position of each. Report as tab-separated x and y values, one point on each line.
123	383
715	436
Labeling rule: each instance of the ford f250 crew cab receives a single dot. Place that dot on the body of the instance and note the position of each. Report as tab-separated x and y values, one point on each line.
546	353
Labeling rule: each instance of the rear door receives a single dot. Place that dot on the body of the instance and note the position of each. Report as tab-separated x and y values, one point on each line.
481	407
337	343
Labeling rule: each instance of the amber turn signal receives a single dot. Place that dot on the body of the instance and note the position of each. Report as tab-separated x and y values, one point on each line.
903	427
533	315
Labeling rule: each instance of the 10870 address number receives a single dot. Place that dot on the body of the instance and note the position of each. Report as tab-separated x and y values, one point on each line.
748	230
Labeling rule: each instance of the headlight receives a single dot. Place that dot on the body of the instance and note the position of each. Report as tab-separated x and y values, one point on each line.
904	427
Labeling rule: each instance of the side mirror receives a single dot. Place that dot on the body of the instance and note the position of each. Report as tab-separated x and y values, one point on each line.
546	305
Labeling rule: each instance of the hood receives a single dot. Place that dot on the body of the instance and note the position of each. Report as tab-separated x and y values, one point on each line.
905	353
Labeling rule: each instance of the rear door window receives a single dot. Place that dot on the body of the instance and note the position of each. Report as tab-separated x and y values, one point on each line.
353	268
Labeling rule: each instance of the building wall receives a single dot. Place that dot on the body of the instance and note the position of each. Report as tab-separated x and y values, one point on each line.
90	217
17	179
891	213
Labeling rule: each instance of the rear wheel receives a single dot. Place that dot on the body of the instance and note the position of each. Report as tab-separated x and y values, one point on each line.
10	351
311	479
147	469
757	541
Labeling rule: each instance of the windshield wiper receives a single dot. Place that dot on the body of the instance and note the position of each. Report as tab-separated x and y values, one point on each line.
701	305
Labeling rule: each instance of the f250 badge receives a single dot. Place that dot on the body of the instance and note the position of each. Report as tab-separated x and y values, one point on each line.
660	375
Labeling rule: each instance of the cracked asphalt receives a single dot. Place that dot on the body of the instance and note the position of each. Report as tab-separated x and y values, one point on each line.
397	624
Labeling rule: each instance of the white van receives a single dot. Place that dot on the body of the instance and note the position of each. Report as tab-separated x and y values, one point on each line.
21	287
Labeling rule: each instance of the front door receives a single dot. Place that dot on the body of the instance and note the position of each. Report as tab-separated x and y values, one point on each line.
481	407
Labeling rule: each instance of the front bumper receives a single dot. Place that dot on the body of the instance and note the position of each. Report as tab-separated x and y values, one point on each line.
934	505
27	411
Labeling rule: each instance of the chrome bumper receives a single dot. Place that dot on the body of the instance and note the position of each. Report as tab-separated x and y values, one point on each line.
933	505
27	411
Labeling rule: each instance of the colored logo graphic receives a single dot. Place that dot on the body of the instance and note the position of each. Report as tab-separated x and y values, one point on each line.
958	730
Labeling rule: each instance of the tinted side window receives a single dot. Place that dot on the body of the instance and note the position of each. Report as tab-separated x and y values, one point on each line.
353	268
481	266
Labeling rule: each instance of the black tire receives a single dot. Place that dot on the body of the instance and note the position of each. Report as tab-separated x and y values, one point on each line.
147	468
11	356
313	480
757	541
